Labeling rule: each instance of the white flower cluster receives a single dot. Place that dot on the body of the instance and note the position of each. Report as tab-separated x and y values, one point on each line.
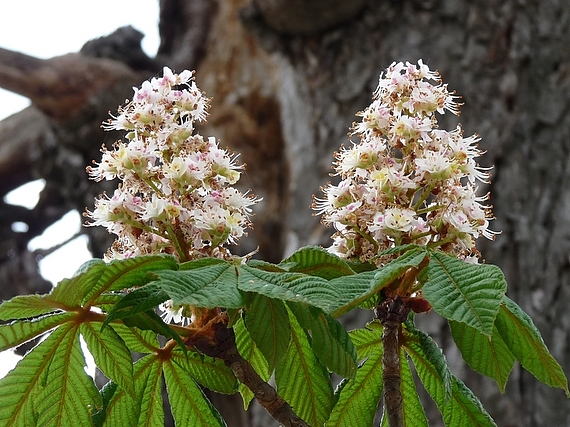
176	194
407	181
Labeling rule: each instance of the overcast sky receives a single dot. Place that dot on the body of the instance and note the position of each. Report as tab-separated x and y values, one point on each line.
50	28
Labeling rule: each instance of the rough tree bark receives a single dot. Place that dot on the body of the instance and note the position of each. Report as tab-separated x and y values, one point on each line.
286	84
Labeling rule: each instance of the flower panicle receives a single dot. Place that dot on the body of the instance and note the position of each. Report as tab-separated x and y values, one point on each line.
406	180
176	193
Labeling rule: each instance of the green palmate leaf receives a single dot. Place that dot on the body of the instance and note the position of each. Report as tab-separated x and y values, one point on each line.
106	302
358	398
142	299
266	266
523	339
316	261
71	292
107	393
302	313
473	412
211	373
126	273
211	286
330	342
397	267
488	355
367	340
335	296
332	345
26	306
267	321
302	381
150	321
462	409
89	265
412	409
49	386
136	339
189	405
249	351
21	331
423	344
145	408
202	262
468	293
152	410
295	287
67	393
354	290
110	353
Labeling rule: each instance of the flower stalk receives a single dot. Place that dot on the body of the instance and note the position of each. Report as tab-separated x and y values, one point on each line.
405	182
177	197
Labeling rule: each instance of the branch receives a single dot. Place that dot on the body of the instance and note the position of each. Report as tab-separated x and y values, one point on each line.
23	138
392	313
222	344
391	374
61	86
307	17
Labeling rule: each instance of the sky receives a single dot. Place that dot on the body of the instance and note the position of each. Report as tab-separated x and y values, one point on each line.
45	29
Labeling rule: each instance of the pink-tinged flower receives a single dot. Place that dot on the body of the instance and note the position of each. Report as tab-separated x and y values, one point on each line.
154	209
176	195
346	214
394	219
406	180
435	164
375	119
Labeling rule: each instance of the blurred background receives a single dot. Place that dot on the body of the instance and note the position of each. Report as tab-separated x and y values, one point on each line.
287	77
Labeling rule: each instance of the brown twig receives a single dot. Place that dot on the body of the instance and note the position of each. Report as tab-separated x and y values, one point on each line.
392	313
391	374
220	342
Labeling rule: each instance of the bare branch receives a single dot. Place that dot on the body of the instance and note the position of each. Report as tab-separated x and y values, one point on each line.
217	340
61	86
392	312
303	17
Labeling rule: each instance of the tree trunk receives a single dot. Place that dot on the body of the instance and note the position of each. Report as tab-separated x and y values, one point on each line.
285	98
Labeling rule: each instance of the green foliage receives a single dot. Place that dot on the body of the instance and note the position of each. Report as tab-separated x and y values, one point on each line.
316	261
49	386
267	321
460	408
355	290
284	319
358	398
468	293
250	352
209	286
524	341
332	344
330	341
189	405
303	381
110	353
488	355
